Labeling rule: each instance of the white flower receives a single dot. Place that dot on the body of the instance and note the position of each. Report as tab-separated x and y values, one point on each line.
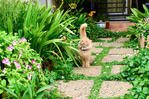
107	66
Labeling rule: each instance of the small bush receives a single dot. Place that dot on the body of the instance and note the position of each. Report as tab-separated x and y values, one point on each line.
18	62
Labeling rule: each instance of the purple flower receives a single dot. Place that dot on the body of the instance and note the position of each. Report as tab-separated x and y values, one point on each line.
38	66
10	48
20	54
27	65
14	42
23	39
30	67
29	77
22	50
4	70
33	61
15	62
6	61
18	65
20	41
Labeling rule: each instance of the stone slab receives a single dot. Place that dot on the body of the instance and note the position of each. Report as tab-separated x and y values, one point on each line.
94	44
122	40
97	50
114	89
116	69
113	44
79	89
121	51
105	39
92	71
111	58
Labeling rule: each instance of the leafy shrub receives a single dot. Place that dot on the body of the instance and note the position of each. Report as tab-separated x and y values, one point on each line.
138	15
94	32
137	72
18	62
142	27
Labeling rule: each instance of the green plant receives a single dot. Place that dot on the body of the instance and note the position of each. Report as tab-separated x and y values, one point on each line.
70	4
63	71
12	15
41	27
137	73
94	32
138	15
80	18
99	17
18	62
32	91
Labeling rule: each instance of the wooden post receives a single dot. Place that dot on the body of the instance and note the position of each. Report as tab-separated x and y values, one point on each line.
47	3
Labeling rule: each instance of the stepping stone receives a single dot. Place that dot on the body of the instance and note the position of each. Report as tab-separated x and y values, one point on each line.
113	44
94	44
121	51
111	58
105	39
79	89
114	89
92	59
116	69
122	40
92	71
97	50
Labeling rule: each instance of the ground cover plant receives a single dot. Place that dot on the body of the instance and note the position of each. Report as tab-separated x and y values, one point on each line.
137	73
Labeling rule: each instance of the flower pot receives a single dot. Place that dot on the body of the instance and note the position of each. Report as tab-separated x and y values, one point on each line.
101	24
107	25
142	41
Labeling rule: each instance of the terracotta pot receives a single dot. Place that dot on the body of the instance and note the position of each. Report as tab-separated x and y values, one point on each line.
142	41
107	25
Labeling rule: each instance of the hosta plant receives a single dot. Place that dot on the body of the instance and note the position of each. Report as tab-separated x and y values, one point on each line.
18	62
